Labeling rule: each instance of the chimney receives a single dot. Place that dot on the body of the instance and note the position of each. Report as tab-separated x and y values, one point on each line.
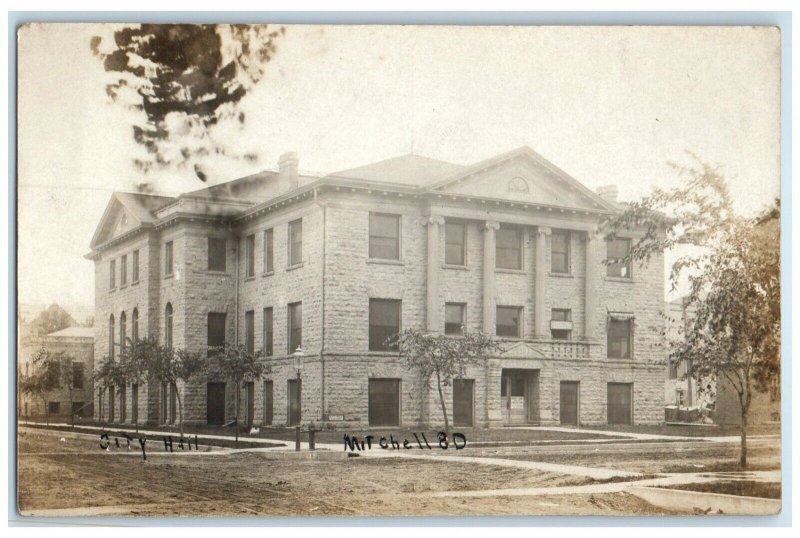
287	169
608	193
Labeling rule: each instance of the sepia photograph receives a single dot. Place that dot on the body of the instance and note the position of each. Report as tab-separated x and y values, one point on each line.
317	270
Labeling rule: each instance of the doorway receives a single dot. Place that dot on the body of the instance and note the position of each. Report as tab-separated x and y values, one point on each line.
295	388
215	404
519	396
249	389
569	403
463	402
620	403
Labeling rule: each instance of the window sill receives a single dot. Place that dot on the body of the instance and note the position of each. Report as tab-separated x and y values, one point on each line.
295	266
135	283
510	271
561	275
457	267
123	286
382	261
249	278
168	276
216	273
268	273
618	279
112	290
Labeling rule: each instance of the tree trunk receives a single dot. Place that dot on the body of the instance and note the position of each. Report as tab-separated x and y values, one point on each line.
71	408
46	410
743	449
444	408
180	406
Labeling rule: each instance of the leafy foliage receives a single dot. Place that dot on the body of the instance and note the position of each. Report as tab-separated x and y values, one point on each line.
186	78
233	361
51	371
52	319
445	357
733	330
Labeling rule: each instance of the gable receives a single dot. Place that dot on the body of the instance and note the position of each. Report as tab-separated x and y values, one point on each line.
117	220
523	176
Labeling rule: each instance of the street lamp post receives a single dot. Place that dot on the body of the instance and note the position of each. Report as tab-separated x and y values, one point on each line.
298	356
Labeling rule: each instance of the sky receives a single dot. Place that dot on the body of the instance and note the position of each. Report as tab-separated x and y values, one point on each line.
609	105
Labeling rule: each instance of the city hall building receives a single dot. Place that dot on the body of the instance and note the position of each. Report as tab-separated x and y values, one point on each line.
318	270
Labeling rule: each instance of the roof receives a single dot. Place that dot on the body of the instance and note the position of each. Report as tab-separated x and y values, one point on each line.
407	169
74	332
143	206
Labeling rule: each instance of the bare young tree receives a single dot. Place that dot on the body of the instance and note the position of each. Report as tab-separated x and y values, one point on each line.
235	362
442	356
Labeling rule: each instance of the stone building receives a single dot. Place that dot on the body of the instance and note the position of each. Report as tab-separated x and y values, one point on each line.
76	342
333	264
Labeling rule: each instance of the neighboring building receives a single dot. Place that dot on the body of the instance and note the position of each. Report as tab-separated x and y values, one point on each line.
765	407
335	264
77	342
680	388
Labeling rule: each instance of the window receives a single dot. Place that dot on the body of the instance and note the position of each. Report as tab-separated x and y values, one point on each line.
168	325
250	252
296	242
268	402
617	250
384	236
215	331
509	321
135	267
384	402
53	408
123	330
673	369
168	258
112	275
619	338
559	252
268	331
561	319
135	325
249	329
111	336
269	256
77	375
384	322
454	318
295	315
217	247
123	270
455	235
509	248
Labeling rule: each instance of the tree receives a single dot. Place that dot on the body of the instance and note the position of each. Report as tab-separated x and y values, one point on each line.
733	332
109	373
445	357
63	364
187	79
164	364
45	378
235	362
52	319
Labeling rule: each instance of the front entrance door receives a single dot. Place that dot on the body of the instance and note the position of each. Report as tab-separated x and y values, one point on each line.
620	408
215	404
294	394
569	403
519	395
463	391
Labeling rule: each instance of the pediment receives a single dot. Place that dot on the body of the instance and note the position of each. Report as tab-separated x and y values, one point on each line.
521	350
117	220
523	176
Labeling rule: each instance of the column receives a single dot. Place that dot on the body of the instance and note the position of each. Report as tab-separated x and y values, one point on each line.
432	315
540	280
489	252
593	267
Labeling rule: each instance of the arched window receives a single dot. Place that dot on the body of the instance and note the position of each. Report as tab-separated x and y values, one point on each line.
135	325
123	332
168	325
111	336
